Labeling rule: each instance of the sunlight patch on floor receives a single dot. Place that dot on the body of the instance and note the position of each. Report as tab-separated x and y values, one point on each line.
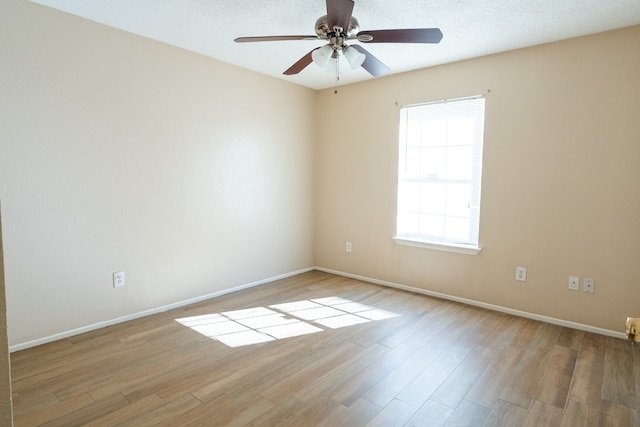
262	324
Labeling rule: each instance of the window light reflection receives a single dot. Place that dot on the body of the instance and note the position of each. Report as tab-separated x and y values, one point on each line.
261	324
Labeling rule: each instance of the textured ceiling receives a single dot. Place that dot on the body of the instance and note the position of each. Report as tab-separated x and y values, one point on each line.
471	28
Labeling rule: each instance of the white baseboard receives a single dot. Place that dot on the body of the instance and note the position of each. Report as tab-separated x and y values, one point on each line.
552	320
99	325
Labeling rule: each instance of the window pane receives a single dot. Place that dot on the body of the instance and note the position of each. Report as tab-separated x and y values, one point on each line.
457	229
434	133
433	198
408	224
413	135
409	197
412	169
431	226
440	171
434	163
460	162
460	130
457	199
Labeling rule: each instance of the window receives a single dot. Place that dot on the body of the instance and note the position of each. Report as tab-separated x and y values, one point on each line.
439	174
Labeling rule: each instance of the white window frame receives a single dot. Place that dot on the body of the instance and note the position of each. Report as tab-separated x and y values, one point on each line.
420	178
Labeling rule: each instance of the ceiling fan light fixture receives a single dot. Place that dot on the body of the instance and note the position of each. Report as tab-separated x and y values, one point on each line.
339	26
354	57
322	55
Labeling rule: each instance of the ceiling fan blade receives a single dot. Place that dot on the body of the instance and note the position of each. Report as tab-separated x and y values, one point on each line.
409	35
372	64
339	13
273	38
301	64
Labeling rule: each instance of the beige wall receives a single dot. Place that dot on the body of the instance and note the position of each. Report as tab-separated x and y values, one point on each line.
193	176
118	153
560	189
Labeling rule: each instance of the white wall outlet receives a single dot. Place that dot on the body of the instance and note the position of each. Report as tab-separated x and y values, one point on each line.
589	285
118	279
521	274
348	247
574	283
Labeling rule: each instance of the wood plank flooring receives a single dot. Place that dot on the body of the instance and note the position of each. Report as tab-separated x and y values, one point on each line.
438	363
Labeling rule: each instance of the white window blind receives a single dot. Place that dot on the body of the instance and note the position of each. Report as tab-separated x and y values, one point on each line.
440	172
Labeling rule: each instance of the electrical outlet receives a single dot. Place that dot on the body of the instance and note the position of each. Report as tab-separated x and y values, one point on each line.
348	247
589	285
118	279
574	283
521	274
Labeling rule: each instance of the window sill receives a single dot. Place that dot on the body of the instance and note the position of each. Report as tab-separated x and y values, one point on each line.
445	247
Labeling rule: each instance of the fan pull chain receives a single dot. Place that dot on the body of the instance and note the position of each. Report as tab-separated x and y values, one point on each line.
335	90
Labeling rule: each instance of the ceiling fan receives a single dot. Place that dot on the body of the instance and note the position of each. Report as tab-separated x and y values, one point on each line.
337	27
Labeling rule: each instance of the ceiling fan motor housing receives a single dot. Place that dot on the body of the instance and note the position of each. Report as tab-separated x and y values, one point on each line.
324	32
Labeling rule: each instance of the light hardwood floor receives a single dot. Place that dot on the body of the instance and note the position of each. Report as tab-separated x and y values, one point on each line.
436	363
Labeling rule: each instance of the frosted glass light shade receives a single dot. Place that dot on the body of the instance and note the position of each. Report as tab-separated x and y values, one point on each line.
354	57
322	55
